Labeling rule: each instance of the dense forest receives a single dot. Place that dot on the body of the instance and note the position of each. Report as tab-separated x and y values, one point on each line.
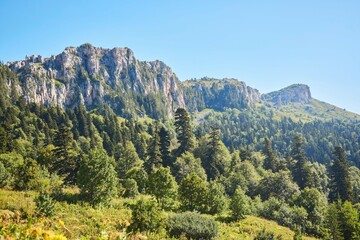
184	177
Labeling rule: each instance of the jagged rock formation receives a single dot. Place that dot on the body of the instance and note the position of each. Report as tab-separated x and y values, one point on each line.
295	93
219	94
97	75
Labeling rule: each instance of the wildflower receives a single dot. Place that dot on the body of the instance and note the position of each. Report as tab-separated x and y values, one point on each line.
58	237
61	223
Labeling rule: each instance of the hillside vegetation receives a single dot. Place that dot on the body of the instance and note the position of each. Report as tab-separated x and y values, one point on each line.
81	221
238	165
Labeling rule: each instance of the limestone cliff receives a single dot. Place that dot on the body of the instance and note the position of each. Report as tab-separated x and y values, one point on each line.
219	94
299	93
97	75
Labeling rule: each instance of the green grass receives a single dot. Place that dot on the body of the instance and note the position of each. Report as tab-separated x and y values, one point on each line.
315	110
246	229
81	221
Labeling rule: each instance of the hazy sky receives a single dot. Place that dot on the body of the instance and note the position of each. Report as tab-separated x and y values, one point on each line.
267	44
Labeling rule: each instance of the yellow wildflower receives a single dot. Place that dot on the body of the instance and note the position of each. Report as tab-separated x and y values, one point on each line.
61	223
58	237
36	231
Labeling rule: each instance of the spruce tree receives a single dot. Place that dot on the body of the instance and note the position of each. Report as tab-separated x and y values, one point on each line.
301	171
164	147
66	163
126	159
183	131
153	152
270	162
340	181
217	157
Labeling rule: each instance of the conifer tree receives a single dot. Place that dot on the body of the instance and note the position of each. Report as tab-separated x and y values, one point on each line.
270	161
126	159
217	157
239	205
301	172
340	181
153	152
164	147
183	131
66	163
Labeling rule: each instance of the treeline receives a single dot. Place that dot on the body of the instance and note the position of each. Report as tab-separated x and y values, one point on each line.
248	128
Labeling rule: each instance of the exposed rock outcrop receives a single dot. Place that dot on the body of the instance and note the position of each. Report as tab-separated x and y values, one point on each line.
95	75
299	93
219	94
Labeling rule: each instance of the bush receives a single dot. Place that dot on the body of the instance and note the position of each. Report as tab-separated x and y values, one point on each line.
265	235
216	198
239	205
4	175
97	178
45	205
131	188
192	225
146	216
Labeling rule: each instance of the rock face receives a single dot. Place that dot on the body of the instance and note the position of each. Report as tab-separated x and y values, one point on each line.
219	94
299	93
97	75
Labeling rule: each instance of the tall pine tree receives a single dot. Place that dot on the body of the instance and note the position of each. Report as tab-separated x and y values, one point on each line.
217	157
340	181
270	162
66	163
153	151
164	147
301	171
183	131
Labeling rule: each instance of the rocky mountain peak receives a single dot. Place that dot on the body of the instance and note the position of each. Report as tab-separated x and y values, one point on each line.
99	75
296	93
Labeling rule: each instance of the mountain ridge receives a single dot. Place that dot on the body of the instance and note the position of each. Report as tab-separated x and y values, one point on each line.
94	76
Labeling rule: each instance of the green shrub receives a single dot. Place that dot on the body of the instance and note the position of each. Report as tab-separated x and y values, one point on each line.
131	188
146	216
97	178
240	205
45	205
192	225
3	175
265	235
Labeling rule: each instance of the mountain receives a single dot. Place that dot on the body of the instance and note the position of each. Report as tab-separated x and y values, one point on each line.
95	76
99	77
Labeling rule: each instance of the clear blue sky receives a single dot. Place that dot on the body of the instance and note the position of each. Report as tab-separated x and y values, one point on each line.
267	44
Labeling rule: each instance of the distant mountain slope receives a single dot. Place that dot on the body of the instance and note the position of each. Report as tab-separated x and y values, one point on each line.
219	94
296	102
299	93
